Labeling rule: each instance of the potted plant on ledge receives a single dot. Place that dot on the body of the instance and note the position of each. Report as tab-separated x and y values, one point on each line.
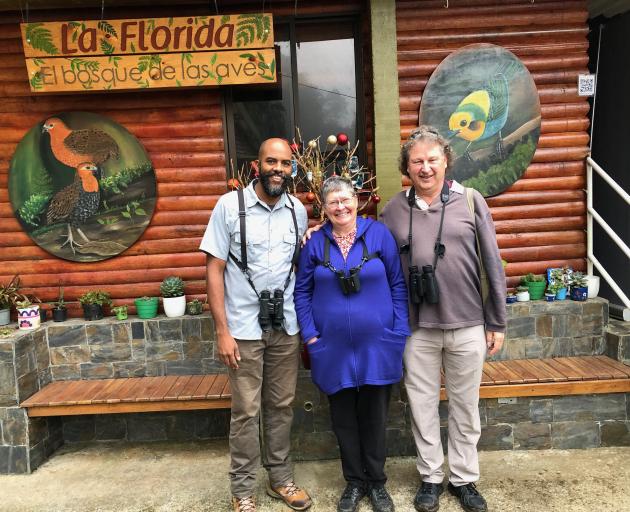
59	310
93	302
579	287
172	289
194	307
535	284
9	296
28	314
120	312
146	307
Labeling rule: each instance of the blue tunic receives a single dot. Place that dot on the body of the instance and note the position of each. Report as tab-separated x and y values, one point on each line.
361	335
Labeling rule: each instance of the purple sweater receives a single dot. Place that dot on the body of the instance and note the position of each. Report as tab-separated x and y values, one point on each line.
457	272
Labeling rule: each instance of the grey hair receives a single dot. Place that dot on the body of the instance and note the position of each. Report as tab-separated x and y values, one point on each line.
336	184
421	134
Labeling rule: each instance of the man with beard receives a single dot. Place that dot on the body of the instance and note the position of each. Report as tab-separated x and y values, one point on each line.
250	276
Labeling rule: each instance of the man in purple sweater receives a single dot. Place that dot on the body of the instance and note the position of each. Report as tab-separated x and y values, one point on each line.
438	224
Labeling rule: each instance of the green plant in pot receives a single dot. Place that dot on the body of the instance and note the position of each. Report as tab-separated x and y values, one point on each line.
173	298
536	285
120	311
194	307
9	297
59	309
579	286
93	302
146	307
28	314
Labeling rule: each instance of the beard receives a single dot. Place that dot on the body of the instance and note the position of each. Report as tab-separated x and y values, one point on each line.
271	189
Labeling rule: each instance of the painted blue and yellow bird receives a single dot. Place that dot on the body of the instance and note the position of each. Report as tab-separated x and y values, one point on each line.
482	114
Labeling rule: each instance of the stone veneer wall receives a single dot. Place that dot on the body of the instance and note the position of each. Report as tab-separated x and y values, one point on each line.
161	346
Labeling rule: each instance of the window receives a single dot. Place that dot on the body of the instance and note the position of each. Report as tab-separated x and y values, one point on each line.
318	90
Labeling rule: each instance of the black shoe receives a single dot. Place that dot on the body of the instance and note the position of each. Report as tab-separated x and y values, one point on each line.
350	498
469	497
380	498
428	497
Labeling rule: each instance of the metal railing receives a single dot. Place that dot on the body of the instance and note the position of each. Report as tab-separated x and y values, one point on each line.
591	166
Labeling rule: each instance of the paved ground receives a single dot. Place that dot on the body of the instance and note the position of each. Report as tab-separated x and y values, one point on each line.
192	478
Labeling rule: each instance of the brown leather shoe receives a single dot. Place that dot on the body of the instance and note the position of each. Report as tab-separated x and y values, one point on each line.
292	495
243	504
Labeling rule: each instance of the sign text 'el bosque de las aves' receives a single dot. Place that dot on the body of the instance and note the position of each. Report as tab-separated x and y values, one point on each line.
140	53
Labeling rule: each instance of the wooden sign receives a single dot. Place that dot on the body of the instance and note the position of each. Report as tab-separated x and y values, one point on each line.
142	53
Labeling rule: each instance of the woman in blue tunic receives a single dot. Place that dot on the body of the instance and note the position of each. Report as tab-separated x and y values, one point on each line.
351	303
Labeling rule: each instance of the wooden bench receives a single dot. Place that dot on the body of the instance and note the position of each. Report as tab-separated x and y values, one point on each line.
501	379
138	394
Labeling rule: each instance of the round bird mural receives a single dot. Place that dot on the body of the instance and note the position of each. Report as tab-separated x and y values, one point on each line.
483	99
82	186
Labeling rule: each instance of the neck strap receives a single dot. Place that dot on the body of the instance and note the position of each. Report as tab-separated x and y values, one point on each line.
242	264
438	249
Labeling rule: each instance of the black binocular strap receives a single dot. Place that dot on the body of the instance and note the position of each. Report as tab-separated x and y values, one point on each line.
242	264
364	259
438	248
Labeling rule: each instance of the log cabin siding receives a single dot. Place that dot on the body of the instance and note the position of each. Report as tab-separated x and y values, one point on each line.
540	219
183	134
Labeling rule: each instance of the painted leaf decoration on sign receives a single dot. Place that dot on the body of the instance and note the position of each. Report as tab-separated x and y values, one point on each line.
40	38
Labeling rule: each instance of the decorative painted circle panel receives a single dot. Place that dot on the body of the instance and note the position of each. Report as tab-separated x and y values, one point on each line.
483	99
82	186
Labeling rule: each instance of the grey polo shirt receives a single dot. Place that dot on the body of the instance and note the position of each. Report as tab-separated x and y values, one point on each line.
270	245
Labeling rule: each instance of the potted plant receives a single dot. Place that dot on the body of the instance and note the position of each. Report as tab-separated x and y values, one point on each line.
579	286
194	307
28	314
93	302
59	310
146	307
550	294
172	289
522	293
536	285
120	312
9	296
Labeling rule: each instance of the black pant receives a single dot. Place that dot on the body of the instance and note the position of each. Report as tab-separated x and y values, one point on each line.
359	417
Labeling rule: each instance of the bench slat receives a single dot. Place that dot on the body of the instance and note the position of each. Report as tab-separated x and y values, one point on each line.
173	393
613	363
569	371
588	372
217	388
495	373
510	372
163	388
602	370
108	391
544	365
189	389
204	387
128	394
524	371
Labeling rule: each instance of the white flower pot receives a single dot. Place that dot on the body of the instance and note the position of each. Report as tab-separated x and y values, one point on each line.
28	318
5	316
593	286
522	296
174	306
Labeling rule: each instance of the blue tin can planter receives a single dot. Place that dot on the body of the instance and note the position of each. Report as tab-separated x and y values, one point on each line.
510	299
579	293
550	297
561	294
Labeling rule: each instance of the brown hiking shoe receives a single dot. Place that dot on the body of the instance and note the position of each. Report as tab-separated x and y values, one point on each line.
292	495
243	504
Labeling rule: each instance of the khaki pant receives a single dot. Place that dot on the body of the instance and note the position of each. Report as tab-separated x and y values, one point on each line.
461	352
267	376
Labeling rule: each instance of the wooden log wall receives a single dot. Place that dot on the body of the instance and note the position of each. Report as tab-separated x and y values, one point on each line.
540	220
183	134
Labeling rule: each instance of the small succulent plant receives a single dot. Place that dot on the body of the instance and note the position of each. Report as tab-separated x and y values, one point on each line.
172	286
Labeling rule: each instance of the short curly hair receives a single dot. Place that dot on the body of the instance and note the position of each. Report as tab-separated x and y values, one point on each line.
421	134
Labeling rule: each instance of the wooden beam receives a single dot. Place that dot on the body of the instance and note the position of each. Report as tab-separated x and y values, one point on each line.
129	407
386	98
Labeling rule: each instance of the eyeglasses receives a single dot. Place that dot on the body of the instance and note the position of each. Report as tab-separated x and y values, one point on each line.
345	202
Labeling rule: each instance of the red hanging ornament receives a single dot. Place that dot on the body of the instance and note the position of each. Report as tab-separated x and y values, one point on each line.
376	199
310	197
342	139
233	184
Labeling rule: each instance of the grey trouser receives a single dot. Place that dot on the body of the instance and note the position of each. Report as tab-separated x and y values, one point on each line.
267	373
461	352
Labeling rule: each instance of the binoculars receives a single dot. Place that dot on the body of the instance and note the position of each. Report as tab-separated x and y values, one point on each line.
349	284
423	286
271	312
